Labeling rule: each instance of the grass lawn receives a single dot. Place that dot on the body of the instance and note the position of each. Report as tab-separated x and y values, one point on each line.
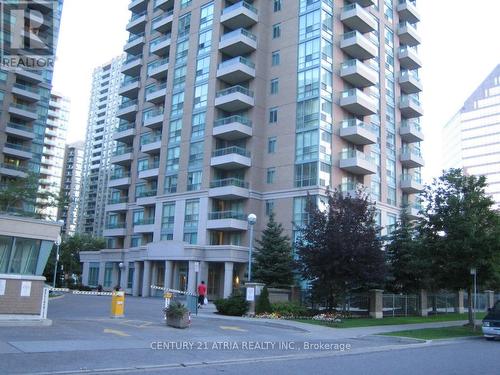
390	321
437	333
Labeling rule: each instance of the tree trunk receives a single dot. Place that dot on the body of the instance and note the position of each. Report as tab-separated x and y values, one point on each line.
471	317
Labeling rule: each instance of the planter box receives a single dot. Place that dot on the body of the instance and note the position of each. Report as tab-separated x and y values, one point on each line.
182	322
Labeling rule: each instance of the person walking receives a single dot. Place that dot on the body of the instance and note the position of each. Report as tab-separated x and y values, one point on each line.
202	292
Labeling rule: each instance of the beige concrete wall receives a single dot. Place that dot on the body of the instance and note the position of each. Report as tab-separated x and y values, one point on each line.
29	228
11	301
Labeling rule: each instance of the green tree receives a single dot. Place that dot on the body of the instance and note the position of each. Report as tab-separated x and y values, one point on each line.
262	305
273	257
407	263
460	230
340	249
69	255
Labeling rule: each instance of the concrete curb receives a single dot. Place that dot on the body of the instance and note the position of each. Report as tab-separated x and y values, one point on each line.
26	323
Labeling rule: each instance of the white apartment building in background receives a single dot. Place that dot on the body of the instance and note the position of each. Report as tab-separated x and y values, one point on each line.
471	139
99	146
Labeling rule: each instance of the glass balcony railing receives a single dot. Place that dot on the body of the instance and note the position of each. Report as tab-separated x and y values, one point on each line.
122	151
18	147
408	99
235	60
162	17
231	150
118	200
348	154
117	175
159	40
350	123
405	49
132	58
237	32
234	89
137	16
130	81
229	182
20	127
221	215
148	139
24	107
155	64
145	221
13	166
146	193
241	4
133	38
153	113
31	89
125	126
149	166
236	118
128	103
409	178
122	225
155	88
408	152
412	125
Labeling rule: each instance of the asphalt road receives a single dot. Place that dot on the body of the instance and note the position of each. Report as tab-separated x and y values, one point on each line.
84	339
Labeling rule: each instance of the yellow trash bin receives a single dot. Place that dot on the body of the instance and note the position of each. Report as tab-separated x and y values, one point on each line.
117	304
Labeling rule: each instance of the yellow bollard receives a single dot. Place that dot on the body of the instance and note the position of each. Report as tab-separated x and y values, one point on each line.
117	304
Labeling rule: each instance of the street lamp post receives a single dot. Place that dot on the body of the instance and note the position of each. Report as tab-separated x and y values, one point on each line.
57	242
473	272
252	219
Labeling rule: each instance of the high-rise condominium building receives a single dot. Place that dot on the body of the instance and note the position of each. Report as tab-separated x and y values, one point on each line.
24	98
71	185
54	143
471	137
231	108
99	146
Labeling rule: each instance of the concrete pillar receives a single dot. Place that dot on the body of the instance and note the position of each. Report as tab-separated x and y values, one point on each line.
169	273
423	303
114	275
376	303
146	279
137	277
257	289
154	273
85	273
124	276
102	268
228	279
459	304
203	275
490	299
191	285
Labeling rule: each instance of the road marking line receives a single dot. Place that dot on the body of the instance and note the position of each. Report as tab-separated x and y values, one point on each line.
116	332
233	328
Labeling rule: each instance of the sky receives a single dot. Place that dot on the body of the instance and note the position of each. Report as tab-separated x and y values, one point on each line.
459	49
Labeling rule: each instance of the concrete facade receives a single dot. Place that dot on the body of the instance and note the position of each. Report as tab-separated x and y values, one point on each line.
233	108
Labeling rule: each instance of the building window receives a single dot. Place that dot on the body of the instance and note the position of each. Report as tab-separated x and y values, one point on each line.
204	42
180	79
391	223
202	69
135	241
206	16
167	221
275	58
194	181
306	174
196	154
108	274
198	125
276	31
277	5
273	115
177	104
271	175
200	96
185	3
275	86
173	154
174	132
269	207
300	215
191	217
93	274
271	145
130	277
170	184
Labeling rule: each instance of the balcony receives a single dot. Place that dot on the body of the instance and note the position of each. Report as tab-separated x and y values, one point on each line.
410	82
27	93
358	74
146	198
356	162
411	185
12	170
137	23
115	230
25	112
20	131
357	18
146	225
154	119
122	156
234	99
132	65
408	34
233	157
408	11
117	204
163	4
363	3
229	188
227	221
159	46
17	151
127	110
119	180
135	44
413	211
150	172
411	132
130	88
158	69
357	132
236	70
411	158
358	46
29	75
151	144
410	107
138	6
241	14
357	102
232	128
408	58
238	42
163	23
125	132
156	93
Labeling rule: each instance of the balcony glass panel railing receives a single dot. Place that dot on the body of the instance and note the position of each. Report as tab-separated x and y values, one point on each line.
159	40
221	215
405	49
125	126
32	89
155	64
231	150
151	165
128	103
357	123
407	124
122	225
20	127
145	221
130	81
122	151
149	138
229	182
119	174
136	16
408	25
236	118
162	17
410	178
237	32
348	154
348	186
405	74
134	37
118	200
132	58
408	99
18	147
146	193
234	89
235	60
24	107
241	4
153	113
407	152
155	88
13	166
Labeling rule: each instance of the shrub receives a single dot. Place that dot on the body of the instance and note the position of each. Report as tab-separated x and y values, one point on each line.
175	310
262	305
235	305
289	309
